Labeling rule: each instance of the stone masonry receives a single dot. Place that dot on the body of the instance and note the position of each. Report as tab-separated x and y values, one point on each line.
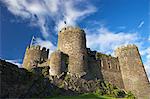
72	42
132	70
34	55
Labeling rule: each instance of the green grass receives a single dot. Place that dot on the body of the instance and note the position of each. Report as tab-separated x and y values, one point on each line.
84	96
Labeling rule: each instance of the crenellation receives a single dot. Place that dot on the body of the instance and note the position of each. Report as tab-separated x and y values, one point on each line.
72	29
125	47
34	47
44	50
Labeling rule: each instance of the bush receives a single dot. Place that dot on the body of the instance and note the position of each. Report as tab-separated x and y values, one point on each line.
118	93
129	95
98	92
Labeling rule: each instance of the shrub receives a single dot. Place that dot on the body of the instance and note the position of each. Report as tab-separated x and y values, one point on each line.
129	95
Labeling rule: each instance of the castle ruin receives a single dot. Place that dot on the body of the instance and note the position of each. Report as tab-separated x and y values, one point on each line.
125	70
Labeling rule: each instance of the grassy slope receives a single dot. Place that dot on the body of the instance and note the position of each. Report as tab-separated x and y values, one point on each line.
85	96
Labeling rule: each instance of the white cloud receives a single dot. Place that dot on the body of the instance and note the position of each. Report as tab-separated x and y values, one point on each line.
43	12
72	14
17	9
106	41
141	24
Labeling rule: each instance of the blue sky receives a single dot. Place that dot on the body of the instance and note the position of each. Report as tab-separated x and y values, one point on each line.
108	24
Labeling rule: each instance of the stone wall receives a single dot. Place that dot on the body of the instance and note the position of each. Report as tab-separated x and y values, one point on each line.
72	42
34	55
94	69
132	69
110	69
93	65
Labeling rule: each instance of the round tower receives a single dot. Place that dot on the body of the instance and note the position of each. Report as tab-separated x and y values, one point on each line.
72	41
132	69
57	65
34	55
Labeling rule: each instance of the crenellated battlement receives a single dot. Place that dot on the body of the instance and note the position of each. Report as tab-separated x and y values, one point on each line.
125	47
70	28
33	47
45	50
37	48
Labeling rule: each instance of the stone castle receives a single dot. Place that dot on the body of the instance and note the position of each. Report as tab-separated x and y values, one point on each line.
125	70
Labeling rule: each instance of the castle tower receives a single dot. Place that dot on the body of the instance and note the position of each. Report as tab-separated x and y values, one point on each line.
72	41
132	69
34	55
57	63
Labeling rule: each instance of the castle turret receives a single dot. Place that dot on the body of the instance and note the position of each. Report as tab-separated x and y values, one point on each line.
57	63
72	42
132	69
34	55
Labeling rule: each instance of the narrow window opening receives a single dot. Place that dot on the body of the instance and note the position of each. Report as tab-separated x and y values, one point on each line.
109	65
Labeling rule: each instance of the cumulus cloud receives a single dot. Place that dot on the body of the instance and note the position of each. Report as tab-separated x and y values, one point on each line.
72	14
48	14
106	41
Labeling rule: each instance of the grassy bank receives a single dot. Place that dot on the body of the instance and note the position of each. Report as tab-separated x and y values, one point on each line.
85	96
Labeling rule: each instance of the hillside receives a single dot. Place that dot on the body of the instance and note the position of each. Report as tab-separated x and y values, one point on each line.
20	83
